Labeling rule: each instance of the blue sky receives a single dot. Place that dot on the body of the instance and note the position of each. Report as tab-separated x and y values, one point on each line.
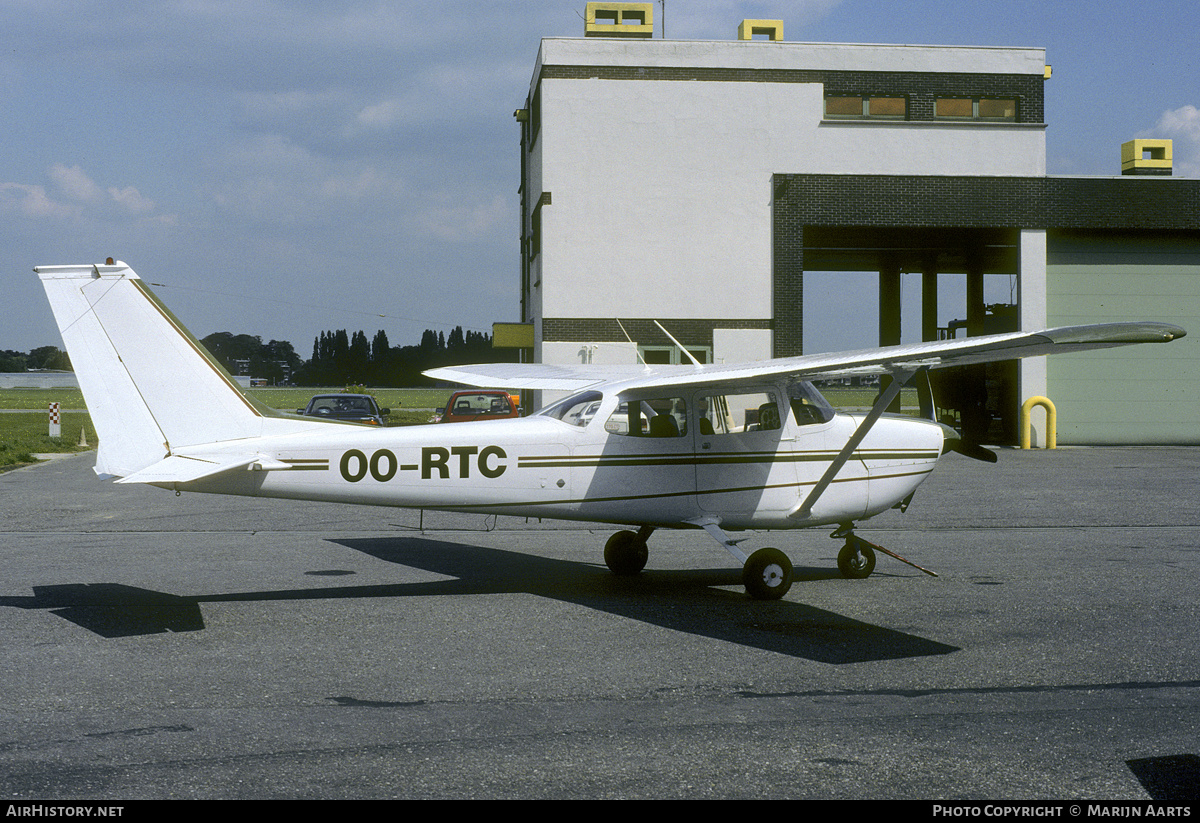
287	167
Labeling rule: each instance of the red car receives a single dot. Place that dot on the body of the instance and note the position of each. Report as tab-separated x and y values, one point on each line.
479	404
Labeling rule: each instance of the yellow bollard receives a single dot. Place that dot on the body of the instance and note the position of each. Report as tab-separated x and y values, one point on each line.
1051	422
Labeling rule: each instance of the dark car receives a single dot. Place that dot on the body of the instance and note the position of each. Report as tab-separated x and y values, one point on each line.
352	408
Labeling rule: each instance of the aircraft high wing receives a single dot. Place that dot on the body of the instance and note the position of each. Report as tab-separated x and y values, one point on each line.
887	360
721	447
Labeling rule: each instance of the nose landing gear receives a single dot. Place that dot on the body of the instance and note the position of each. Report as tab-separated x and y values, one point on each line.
856	560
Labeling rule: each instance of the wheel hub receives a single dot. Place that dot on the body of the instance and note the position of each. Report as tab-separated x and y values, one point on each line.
773	575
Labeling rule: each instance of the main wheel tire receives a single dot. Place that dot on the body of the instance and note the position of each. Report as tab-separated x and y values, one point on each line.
626	553
856	560
767	574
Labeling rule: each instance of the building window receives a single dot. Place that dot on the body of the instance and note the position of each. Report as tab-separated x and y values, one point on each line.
858	107
672	356
891	107
998	109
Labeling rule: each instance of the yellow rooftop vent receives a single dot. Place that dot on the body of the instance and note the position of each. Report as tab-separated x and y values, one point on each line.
619	20
1146	156
771	29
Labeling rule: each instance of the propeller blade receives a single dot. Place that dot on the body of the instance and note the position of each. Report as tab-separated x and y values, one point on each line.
954	442
975	452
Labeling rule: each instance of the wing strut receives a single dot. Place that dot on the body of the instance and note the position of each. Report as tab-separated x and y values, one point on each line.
900	378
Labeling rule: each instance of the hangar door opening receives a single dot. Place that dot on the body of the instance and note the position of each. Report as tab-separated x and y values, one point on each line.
872	286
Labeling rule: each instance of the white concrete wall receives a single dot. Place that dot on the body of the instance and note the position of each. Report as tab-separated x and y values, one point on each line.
741	345
605	353
662	194
38	380
661	190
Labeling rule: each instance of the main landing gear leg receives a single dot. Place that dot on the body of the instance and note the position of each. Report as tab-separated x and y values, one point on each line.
626	552
766	574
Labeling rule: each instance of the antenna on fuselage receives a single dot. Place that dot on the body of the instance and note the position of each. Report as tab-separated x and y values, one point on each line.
695	362
636	350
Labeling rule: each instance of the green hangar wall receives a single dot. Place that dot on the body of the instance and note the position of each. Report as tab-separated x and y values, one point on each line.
1137	395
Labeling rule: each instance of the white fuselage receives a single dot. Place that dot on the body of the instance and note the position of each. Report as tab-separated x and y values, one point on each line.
545	467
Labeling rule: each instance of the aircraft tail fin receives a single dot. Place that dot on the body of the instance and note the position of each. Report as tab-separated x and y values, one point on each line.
148	383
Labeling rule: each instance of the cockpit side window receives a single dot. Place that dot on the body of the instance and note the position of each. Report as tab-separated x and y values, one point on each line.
735	413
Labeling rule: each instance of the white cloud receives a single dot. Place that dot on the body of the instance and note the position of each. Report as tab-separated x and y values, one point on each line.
1182	127
382	115
76	196
1185	119
131	199
30	201
73	183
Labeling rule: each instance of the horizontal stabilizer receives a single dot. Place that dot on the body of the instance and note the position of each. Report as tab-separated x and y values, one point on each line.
180	469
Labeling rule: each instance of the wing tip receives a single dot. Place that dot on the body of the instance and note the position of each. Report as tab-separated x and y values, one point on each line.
1116	333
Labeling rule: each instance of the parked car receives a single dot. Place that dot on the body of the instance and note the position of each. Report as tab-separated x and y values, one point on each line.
353	408
479	404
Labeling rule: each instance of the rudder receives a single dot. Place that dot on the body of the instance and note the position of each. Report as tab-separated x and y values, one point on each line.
148	383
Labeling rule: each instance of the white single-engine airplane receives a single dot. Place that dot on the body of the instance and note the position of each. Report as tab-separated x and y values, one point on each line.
717	447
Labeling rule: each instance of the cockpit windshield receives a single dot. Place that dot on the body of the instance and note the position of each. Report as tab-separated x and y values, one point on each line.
578	409
807	404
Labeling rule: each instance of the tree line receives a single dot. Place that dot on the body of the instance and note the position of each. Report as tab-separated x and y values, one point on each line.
341	358
43	357
337	358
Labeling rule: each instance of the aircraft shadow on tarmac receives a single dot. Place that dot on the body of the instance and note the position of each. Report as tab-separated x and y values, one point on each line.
1169	779
686	601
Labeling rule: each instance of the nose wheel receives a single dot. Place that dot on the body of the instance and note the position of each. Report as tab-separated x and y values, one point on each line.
856	560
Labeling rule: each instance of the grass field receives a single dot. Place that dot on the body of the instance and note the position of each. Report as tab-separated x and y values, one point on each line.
32	399
24	434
